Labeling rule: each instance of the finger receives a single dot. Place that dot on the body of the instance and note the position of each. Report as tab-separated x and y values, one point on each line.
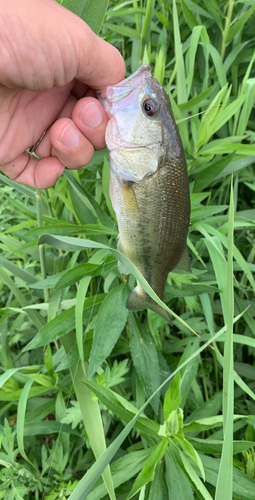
72	148
79	89
91	119
40	174
25	116
45	147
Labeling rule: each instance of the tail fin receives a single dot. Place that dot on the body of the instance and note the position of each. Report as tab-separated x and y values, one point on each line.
139	300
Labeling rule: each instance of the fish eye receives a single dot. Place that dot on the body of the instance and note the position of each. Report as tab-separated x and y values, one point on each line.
150	107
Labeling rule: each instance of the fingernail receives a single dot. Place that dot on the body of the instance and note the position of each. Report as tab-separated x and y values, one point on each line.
91	115
70	137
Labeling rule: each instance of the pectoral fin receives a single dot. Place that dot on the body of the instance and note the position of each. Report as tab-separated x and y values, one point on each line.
184	262
122	268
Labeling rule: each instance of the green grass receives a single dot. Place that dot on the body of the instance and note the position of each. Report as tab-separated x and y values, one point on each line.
84	383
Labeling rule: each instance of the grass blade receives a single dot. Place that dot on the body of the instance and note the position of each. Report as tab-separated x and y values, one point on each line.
21	417
224	488
181	77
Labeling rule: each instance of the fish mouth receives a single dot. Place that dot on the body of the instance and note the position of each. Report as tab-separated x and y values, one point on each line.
139	148
124	88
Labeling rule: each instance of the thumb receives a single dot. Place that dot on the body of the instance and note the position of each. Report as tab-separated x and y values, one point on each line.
43	45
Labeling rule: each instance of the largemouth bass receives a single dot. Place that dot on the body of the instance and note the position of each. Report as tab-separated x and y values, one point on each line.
149	182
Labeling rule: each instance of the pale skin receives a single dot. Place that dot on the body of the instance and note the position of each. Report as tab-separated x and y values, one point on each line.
51	63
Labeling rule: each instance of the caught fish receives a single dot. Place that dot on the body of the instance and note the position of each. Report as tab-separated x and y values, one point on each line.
149	182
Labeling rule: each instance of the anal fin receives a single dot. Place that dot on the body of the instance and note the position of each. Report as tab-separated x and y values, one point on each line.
139	300
184	261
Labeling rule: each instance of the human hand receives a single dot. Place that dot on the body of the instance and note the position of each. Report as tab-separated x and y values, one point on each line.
51	63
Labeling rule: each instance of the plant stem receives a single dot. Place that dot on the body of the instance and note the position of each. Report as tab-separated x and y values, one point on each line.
226	30
41	247
135	4
46	194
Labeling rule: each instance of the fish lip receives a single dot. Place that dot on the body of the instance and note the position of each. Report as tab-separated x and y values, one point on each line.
141	69
114	93
137	147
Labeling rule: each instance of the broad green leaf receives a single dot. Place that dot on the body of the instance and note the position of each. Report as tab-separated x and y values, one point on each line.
159	71
37	319
88	208
207	423
207	176
227	113
214	8
209	408
123	30
216	242
41	411
145	358
123	409
246	315
218	65
249	92
21	417
71	359
91	11
42	379
239	23
194	478
200	99
47	427
235	166
211	446
34	391
27	191
190	371
9	373
81	294
172	397
177	482
148	471
189	16
220	146
158	488
198	213
243	485
64	229
63	323
111	320
191	452
18	271
122	470
82	270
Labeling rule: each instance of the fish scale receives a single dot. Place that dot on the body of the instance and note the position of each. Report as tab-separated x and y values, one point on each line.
149	183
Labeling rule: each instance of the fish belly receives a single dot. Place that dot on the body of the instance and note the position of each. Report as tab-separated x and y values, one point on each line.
153	219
